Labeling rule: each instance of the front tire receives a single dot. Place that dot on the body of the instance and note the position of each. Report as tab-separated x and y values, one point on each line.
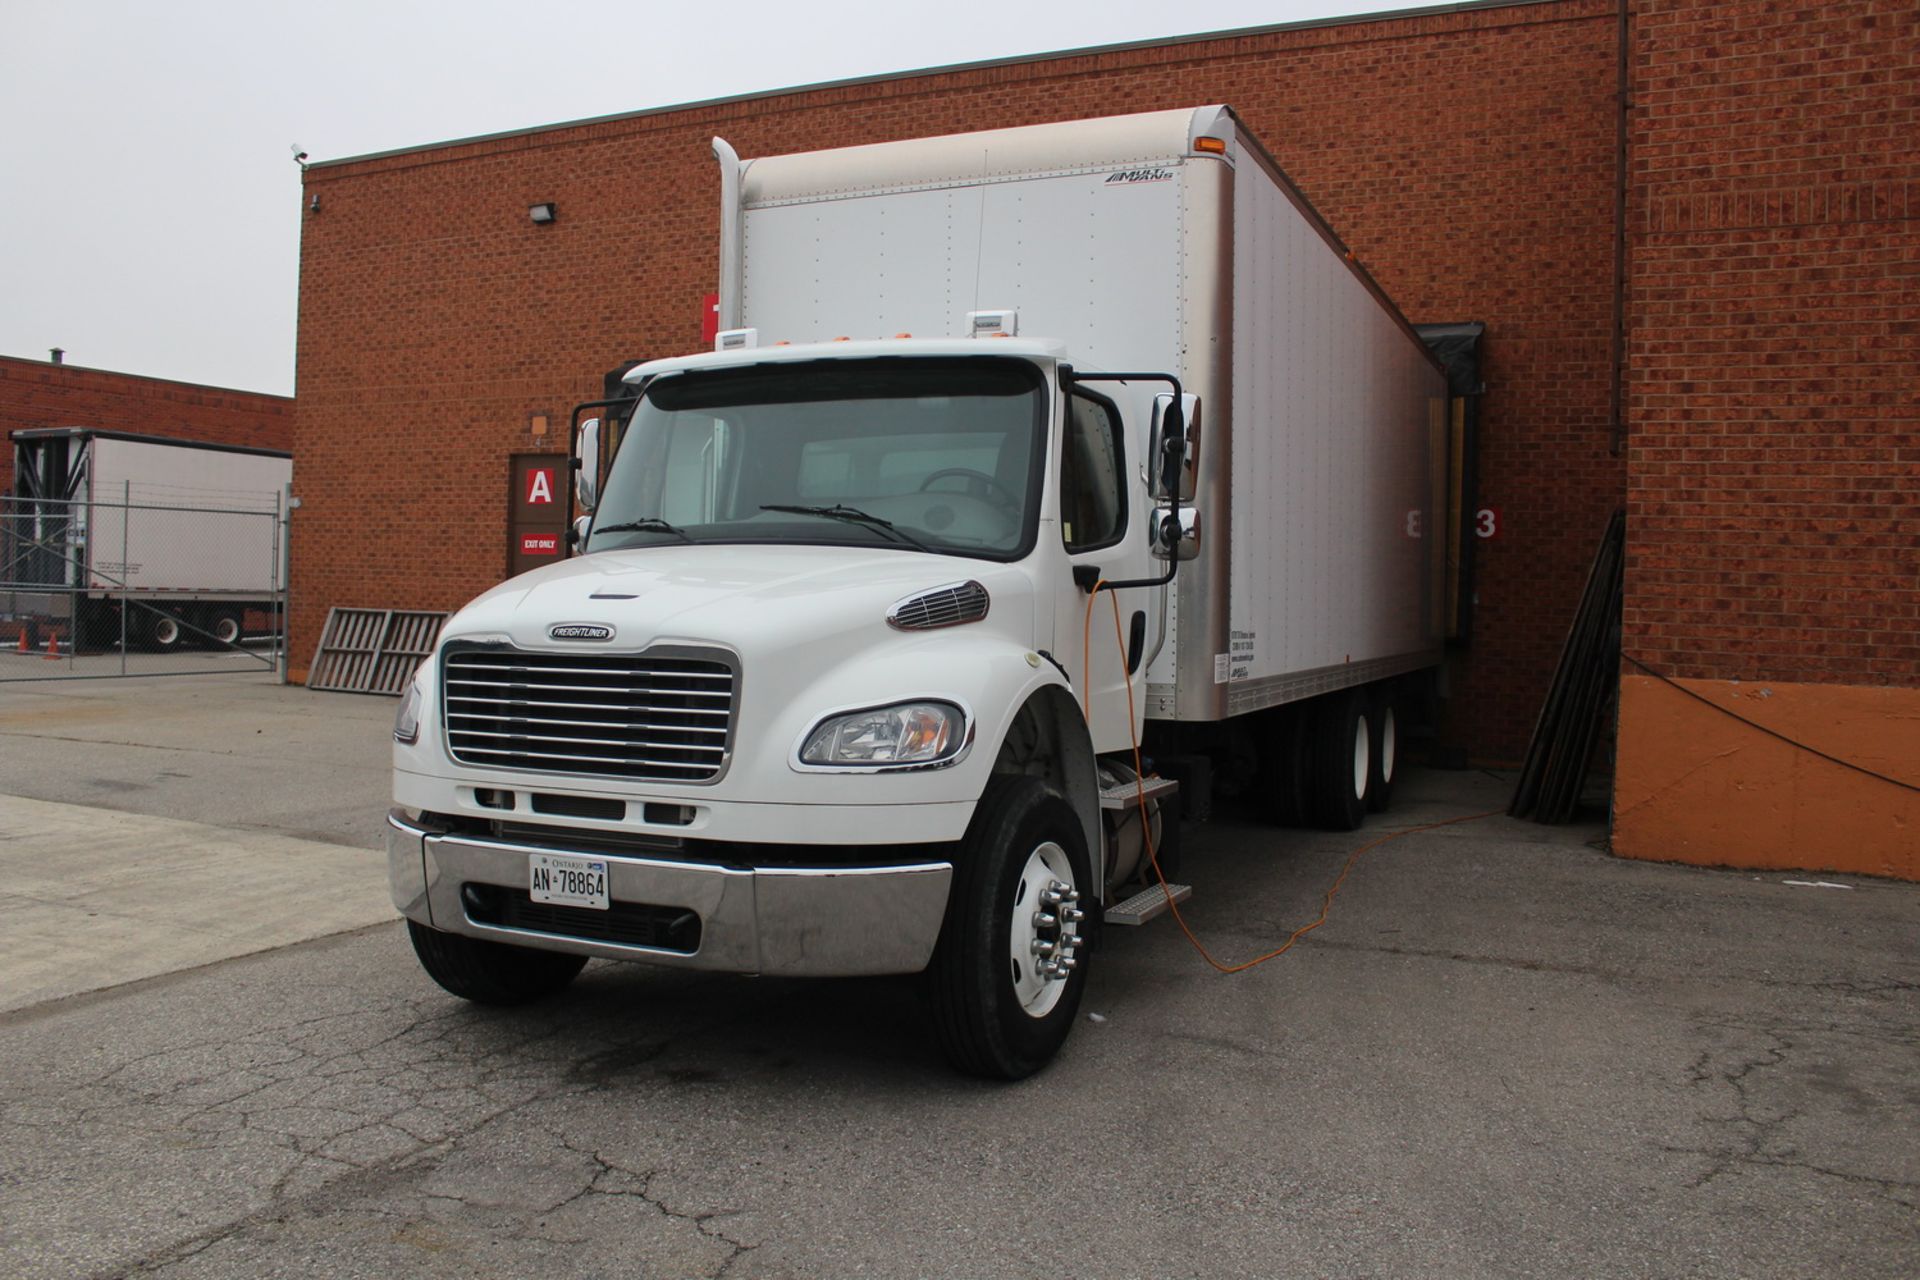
491	972
1007	975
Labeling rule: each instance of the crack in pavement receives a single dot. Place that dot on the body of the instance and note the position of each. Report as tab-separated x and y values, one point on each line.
1756	1129
702	1222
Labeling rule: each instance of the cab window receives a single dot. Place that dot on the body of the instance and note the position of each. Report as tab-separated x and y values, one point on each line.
1093	504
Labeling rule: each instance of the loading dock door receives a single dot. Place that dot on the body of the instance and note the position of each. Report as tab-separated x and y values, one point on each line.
537	519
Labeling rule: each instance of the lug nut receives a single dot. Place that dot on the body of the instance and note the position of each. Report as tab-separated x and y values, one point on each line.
1073	915
1041	947
1041	920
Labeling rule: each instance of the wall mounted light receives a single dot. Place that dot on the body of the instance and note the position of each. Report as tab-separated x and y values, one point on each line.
542	213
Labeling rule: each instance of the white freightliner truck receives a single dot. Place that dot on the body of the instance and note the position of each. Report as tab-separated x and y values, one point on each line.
837	686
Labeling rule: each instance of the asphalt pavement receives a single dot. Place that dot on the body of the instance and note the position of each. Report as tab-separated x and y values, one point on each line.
1506	1054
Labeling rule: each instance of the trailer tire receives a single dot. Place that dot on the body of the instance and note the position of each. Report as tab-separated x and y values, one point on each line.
994	1012
223	628
491	972
164	632
1286	777
1385	727
1342	748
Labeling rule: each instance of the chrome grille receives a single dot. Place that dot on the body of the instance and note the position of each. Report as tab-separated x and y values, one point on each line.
664	716
947	606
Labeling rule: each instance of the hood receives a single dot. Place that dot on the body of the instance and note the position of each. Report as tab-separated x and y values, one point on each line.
737	595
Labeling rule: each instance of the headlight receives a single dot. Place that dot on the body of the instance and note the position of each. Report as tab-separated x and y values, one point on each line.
908	733
406	722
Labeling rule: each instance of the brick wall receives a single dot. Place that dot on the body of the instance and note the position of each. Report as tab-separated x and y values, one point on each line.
34	393
1466	156
1774	493
1774	519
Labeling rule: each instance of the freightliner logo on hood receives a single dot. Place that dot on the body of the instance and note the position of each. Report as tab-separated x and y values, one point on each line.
579	631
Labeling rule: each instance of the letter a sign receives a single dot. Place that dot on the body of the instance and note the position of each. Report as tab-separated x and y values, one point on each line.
540	487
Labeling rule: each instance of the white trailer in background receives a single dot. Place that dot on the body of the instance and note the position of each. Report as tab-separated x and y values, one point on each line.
1013	445
176	540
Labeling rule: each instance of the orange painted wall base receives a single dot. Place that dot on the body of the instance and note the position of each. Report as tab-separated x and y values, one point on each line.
1696	785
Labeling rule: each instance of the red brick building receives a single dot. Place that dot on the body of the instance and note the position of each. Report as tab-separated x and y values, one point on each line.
39	393
1473	156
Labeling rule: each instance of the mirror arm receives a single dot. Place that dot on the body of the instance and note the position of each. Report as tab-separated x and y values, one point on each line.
1173	437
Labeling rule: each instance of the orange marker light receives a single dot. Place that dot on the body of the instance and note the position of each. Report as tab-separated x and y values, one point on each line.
903	335
1216	145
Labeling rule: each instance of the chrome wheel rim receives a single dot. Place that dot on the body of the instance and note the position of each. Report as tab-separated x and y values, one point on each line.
1045	937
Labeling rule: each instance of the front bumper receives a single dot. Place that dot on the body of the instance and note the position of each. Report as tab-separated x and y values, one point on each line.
812	921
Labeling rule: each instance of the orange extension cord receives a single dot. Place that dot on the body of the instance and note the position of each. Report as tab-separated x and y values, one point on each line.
1146	831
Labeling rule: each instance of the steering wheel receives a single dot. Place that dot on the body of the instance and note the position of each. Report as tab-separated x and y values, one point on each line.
980	479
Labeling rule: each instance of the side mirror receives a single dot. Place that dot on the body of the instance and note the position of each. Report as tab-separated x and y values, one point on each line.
586	461
1176	539
581	528
1173	448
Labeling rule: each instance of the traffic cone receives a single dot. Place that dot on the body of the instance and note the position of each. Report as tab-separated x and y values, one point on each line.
53	649
24	647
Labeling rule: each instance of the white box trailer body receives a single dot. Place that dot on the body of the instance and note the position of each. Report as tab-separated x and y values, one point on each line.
1324	412
163	516
187	530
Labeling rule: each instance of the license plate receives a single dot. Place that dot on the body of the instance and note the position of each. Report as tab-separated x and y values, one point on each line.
566	881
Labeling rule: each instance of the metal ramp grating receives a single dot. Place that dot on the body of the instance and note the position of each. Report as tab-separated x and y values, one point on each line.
372	650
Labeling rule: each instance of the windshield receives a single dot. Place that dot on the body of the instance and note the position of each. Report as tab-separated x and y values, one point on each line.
913	453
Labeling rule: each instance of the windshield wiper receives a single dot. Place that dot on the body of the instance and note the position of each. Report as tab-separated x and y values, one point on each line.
851	515
646	524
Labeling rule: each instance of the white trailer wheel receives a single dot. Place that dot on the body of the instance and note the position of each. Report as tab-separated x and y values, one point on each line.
1389	743
1362	756
1386	753
1343	751
226	629
165	631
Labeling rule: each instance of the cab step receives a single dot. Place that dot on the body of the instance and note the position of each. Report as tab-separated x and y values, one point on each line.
1146	904
1126	795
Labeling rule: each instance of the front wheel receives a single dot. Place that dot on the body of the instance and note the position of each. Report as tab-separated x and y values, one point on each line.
1007	975
491	972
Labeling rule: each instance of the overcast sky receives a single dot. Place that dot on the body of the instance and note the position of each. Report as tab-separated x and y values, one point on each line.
149	201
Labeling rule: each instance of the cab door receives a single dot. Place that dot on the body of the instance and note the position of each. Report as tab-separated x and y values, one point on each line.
1103	513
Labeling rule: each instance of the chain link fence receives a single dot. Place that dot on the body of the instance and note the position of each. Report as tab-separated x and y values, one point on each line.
91	588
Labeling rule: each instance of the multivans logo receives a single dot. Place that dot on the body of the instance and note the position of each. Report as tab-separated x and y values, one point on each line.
579	631
1139	175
